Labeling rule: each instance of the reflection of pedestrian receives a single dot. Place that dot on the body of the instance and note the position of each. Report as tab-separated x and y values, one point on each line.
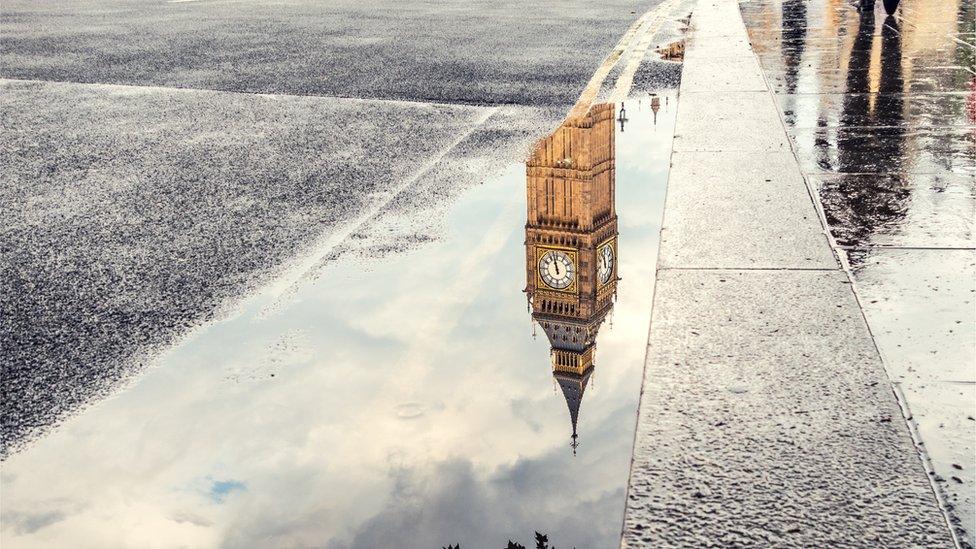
794	40
890	6
871	139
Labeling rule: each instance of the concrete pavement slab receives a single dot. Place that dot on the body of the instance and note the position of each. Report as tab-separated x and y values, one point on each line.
883	150
921	305
717	18
720	74
877	109
917	109
740	210
716	47
728	121
767	419
944	414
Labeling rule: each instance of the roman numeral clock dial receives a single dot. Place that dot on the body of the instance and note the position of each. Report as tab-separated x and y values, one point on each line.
605	263
557	269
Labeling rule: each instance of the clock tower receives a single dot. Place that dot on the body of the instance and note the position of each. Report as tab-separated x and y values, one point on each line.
571	244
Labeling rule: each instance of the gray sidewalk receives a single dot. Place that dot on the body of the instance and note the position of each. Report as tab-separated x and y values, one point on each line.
766	416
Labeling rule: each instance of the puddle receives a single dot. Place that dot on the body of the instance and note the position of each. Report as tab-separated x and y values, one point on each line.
402	400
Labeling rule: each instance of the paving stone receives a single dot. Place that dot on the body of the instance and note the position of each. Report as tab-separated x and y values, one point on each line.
741	210
921	305
723	74
728	121
899	209
767	419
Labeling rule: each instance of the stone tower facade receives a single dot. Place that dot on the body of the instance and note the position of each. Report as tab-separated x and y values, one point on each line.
571	243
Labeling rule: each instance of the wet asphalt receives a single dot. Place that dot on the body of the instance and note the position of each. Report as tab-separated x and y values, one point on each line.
146	195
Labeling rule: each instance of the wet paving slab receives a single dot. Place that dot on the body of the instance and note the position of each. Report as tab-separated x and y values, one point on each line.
800	111
887	150
881	112
898	209
336	414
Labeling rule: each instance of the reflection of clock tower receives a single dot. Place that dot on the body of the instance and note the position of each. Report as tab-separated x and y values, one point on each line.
571	243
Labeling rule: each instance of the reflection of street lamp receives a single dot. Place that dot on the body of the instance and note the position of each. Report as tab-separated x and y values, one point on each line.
623	117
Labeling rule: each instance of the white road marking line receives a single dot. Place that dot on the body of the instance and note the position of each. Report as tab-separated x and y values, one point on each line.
645	28
303	268
626	79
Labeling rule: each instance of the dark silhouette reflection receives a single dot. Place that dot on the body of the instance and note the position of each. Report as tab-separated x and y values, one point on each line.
871	139
890	6
794	40
571	244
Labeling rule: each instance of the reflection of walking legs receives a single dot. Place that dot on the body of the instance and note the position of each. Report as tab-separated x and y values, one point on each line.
868	5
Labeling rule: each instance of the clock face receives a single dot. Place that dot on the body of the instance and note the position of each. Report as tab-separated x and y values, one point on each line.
557	269
605	263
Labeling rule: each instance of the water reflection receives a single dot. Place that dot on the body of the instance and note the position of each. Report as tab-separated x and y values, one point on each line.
880	110
876	106
794	35
571	245
369	433
875	98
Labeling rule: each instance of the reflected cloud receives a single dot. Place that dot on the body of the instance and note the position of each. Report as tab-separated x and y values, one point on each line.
220	489
28	523
455	502
45	513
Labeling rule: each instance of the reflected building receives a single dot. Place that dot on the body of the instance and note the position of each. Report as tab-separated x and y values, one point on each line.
571	245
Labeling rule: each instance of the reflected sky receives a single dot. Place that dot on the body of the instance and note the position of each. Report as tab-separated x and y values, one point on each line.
395	402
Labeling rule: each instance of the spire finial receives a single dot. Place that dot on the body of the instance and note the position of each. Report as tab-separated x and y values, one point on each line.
623	116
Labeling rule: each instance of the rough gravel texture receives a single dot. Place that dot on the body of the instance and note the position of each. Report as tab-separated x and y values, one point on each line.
482	51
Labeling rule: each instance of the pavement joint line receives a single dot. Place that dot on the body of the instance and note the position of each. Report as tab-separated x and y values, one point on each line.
281	95
892	247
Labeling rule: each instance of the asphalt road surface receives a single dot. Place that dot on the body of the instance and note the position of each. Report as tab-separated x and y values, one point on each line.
145	194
